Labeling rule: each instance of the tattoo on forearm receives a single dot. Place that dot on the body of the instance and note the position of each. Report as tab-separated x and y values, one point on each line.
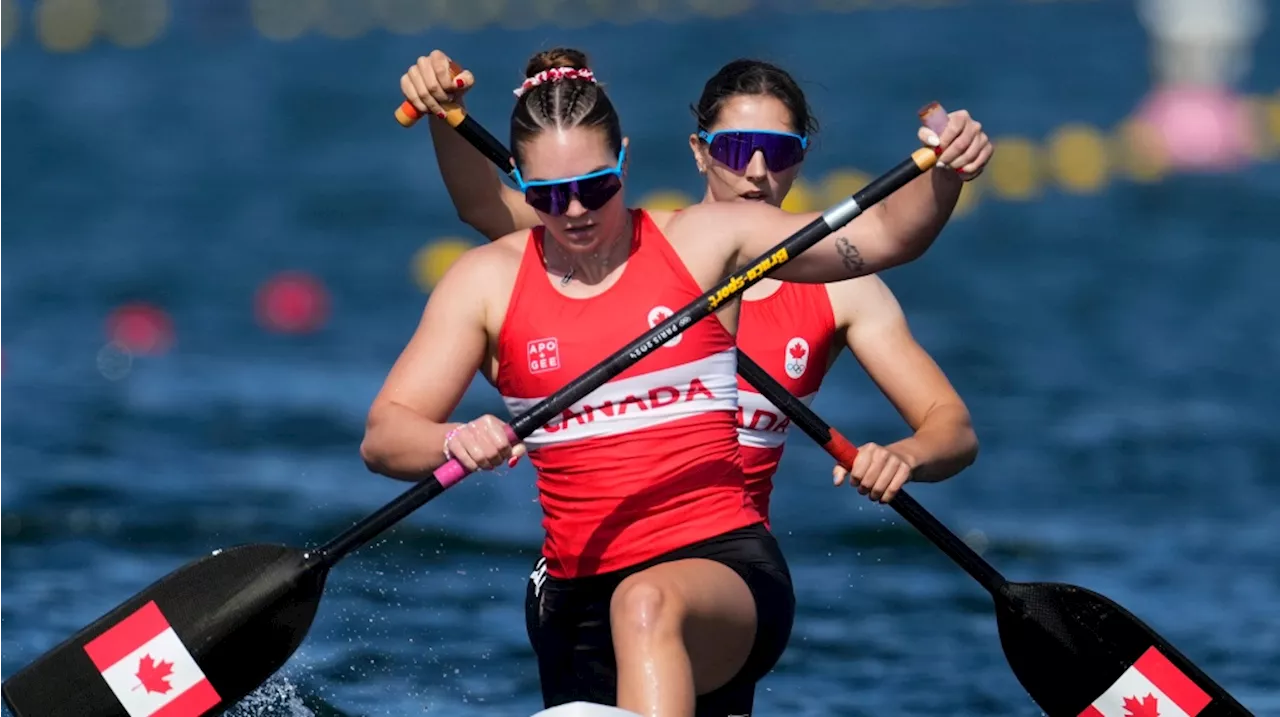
849	254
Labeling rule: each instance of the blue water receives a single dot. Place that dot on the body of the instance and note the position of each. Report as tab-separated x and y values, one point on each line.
1117	351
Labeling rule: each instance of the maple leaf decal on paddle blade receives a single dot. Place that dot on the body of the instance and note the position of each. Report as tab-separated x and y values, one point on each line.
797	351
153	675
1146	707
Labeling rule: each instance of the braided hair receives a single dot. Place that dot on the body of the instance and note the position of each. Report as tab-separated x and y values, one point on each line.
563	103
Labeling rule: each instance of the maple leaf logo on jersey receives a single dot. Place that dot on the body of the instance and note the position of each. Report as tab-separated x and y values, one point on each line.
797	357
657	315
153	675
1146	707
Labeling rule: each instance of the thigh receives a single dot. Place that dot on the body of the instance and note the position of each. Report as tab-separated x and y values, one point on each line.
707	602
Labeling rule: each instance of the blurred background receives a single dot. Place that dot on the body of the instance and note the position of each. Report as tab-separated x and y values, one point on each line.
219	239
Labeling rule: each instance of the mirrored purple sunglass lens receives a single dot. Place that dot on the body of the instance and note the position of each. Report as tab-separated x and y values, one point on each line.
554	199
735	149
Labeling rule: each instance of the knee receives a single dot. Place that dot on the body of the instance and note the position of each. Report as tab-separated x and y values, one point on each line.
645	609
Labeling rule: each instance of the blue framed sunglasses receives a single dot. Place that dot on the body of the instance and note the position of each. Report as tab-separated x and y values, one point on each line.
734	148
593	190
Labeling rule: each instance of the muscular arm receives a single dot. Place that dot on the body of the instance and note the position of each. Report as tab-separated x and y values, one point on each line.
944	442
912	217
895	231
405	429
482	199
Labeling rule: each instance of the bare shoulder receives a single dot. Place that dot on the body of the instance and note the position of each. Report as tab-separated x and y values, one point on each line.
862	299
486	268
502	254
507	251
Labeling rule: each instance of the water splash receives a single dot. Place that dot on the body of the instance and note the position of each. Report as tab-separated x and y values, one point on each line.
278	697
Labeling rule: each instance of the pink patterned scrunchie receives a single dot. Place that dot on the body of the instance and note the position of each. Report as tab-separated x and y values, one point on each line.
555	74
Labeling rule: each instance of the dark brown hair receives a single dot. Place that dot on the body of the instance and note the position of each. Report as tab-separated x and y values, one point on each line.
570	102
754	77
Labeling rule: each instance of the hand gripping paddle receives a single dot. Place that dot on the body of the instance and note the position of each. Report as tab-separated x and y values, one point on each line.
1077	653
220	626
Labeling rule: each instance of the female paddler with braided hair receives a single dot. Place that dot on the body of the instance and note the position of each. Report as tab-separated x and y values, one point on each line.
664	583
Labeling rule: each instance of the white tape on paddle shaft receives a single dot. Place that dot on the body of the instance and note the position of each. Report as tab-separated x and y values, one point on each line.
841	214
585	709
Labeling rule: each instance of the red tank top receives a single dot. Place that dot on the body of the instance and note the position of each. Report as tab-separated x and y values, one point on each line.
649	462
789	333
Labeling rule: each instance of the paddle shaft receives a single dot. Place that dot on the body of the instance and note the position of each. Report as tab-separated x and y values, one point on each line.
845	452
713	299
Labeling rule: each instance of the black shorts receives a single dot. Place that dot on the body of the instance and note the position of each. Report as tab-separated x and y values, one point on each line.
568	623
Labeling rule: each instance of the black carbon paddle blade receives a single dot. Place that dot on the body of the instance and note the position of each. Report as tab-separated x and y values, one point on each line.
1079	654
193	643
